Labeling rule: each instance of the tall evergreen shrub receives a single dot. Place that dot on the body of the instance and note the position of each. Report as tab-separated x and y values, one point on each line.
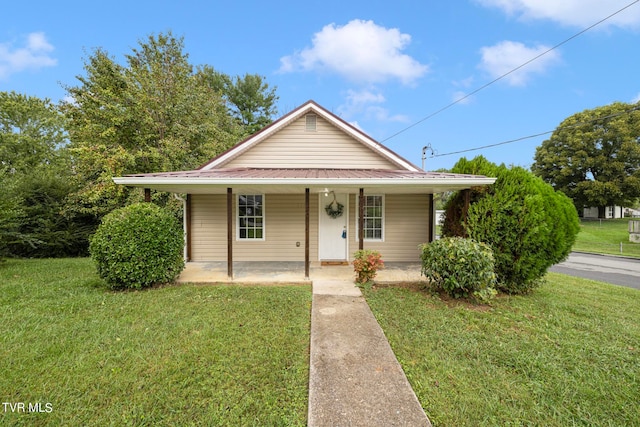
527	224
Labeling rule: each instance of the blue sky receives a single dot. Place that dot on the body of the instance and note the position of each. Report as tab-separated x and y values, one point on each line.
386	67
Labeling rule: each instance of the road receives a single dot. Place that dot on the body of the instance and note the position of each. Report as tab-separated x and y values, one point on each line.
615	270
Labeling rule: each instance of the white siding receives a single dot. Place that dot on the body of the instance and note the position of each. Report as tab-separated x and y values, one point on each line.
208	227
295	147
406	226
609	212
284	227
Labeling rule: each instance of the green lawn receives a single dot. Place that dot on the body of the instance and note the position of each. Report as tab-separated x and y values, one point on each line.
568	354
605	237
237	355
176	355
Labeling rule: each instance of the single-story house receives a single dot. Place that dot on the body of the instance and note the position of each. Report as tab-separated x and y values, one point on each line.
632	213
309	187
609	212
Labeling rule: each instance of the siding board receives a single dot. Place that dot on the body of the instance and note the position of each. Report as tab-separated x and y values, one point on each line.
327	147
406	226
284	226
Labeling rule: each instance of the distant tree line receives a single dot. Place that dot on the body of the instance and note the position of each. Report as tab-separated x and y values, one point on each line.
155	112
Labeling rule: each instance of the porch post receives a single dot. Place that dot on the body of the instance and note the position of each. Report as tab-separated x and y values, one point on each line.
306	233
361	219
432	220
147	195
187	222
229	233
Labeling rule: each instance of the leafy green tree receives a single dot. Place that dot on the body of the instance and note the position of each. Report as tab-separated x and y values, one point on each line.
527	224
152	114
49	231
31	133
35	177
594	157
249	98
11	215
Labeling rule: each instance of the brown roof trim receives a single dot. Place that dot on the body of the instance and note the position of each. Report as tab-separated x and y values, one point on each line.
300	173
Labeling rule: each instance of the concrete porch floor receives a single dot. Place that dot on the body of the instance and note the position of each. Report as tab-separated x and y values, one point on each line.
291	272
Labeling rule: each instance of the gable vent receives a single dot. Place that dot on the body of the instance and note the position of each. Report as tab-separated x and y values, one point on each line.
311	122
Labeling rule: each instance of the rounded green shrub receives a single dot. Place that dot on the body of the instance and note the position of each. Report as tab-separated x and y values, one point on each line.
138	246
528	225
460	267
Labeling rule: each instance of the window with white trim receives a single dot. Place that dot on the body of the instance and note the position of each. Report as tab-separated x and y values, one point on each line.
250	217
373	218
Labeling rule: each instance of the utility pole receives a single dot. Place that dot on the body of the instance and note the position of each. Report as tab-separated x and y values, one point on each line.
424	153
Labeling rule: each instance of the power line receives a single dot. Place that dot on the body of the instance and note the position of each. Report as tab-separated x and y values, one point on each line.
636	108
508	73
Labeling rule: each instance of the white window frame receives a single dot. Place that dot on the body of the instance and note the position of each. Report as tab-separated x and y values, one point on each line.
384	204
264	222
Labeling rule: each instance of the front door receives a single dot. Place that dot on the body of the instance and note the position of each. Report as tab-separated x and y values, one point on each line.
332	227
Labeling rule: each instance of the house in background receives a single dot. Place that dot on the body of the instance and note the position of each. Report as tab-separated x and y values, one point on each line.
309	187
632	213
610	212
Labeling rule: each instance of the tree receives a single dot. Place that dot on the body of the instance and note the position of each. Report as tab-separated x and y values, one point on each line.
527	224
50	232
153	114
35	177
11	215
594	157
249	98
31	133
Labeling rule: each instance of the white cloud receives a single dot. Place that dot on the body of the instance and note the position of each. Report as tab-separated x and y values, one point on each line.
360	51
461	98
366	103
579	13
507	55
636	99
33	55
364	97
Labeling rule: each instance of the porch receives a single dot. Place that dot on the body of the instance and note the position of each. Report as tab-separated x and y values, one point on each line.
269	272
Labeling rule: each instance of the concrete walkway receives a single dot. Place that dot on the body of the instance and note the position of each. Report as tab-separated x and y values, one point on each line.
354	378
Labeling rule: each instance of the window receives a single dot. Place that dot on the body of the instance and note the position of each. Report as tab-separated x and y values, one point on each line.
250	217
373	218
310	125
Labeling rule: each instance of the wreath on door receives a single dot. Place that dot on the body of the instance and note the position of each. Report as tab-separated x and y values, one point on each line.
335	208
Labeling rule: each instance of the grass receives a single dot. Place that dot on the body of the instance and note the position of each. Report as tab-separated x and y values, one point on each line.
174	355
568	354
605	237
